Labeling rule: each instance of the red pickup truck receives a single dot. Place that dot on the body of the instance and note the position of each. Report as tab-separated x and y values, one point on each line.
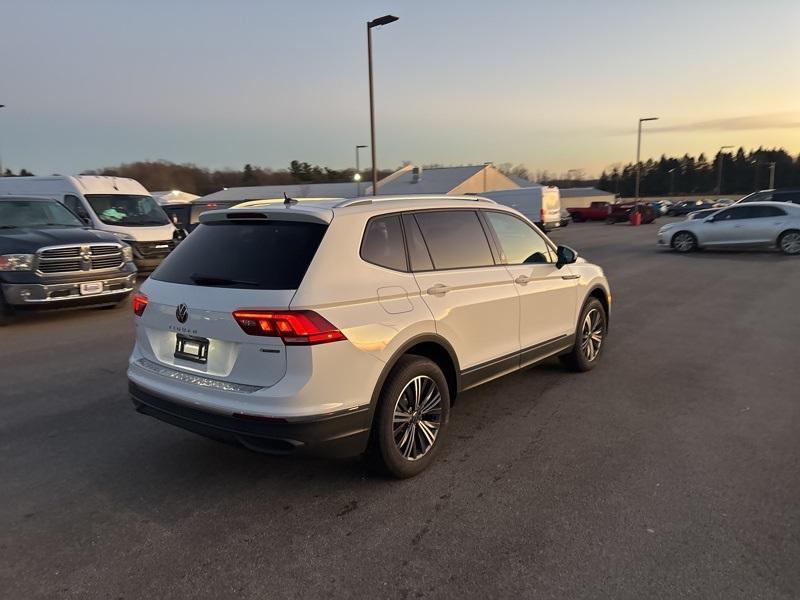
596	211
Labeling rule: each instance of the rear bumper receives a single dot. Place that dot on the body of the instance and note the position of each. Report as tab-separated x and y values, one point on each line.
32	294
336	435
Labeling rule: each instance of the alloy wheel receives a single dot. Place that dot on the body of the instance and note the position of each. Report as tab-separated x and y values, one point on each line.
592	332
790	243
417	417
683	242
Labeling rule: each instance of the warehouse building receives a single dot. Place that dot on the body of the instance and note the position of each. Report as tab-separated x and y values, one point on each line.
449	181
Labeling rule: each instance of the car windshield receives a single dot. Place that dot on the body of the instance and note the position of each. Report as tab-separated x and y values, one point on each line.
127	209
36	214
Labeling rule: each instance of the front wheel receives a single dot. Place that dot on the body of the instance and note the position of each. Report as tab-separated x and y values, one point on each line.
683	241
789	242
590	337
411	418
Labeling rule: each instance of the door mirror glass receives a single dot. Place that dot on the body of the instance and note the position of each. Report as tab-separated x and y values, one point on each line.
565	256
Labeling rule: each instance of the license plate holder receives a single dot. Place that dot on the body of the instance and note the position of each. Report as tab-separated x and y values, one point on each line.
191	348
91	288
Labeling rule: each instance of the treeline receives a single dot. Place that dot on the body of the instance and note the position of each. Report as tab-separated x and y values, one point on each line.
163	175
742	173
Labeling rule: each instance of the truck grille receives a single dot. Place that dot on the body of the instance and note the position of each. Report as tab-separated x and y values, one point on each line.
79	259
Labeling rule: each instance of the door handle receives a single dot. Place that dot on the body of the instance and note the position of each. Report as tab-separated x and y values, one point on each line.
570	277
439	289
523	279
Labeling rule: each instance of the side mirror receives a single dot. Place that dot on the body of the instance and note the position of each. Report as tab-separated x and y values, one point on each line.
565	256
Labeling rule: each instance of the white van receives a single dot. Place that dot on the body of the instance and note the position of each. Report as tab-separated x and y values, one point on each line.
115	204
541	204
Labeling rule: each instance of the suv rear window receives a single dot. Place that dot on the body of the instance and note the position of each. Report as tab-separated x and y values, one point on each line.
269	255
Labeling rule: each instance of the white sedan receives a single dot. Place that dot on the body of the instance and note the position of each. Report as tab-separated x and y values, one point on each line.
771	224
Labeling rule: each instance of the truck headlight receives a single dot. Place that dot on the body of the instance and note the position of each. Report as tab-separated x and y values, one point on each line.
16	262
127	254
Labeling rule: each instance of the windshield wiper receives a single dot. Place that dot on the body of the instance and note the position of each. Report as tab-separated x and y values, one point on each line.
209	280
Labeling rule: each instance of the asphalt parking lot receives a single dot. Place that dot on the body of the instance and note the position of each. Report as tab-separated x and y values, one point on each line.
670	471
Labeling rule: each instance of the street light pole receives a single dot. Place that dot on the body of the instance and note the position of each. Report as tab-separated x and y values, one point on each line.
671	181
719	175
358	170
638	154
772	175
1	158
384	20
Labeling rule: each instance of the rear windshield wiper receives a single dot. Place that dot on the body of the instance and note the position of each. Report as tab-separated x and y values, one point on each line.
221	281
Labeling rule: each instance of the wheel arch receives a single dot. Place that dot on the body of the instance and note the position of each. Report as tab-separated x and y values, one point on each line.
433	347
599	292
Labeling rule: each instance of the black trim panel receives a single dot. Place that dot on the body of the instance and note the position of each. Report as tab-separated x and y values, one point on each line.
343	434
539	352
492	369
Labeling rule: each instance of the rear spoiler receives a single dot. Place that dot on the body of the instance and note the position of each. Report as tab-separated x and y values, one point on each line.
272	213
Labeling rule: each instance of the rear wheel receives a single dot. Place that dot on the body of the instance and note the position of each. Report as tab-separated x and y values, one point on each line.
411	418
590	337
789	242
683	241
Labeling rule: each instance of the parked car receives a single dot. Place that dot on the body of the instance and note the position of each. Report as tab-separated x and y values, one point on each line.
596	211
770	224
687	206
540	204
49	258
660	207
702	214
120	206
777	195
330	347
722	203
621	212
566	218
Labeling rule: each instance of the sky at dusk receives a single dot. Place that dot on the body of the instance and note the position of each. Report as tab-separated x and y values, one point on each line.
552	85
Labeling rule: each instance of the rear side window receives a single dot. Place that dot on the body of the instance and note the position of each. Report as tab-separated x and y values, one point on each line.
417	250
383	243
455	239
268	255
766	211
787	197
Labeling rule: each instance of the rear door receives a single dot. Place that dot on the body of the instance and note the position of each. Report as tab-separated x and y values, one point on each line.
224	266
471	295
548	296
728	228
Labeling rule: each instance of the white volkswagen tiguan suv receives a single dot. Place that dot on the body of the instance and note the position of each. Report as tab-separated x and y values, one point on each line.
349	326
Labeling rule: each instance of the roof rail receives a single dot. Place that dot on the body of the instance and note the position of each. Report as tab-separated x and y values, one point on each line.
365	201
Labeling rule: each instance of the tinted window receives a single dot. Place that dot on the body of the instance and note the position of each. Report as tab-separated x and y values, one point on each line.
787	197
74	204
247	254
733	214
520	244
417	250
455	239
383	243
36	214
766	211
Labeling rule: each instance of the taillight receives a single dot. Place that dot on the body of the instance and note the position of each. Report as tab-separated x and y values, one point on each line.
541	215
295	327
139	304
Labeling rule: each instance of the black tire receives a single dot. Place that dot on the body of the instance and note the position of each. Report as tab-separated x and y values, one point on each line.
789	242
684	241
6	311
384	453
578	218
580	358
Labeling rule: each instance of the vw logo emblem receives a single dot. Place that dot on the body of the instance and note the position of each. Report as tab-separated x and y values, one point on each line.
182	313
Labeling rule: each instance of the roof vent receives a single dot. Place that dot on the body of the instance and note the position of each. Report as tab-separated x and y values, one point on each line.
416	174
